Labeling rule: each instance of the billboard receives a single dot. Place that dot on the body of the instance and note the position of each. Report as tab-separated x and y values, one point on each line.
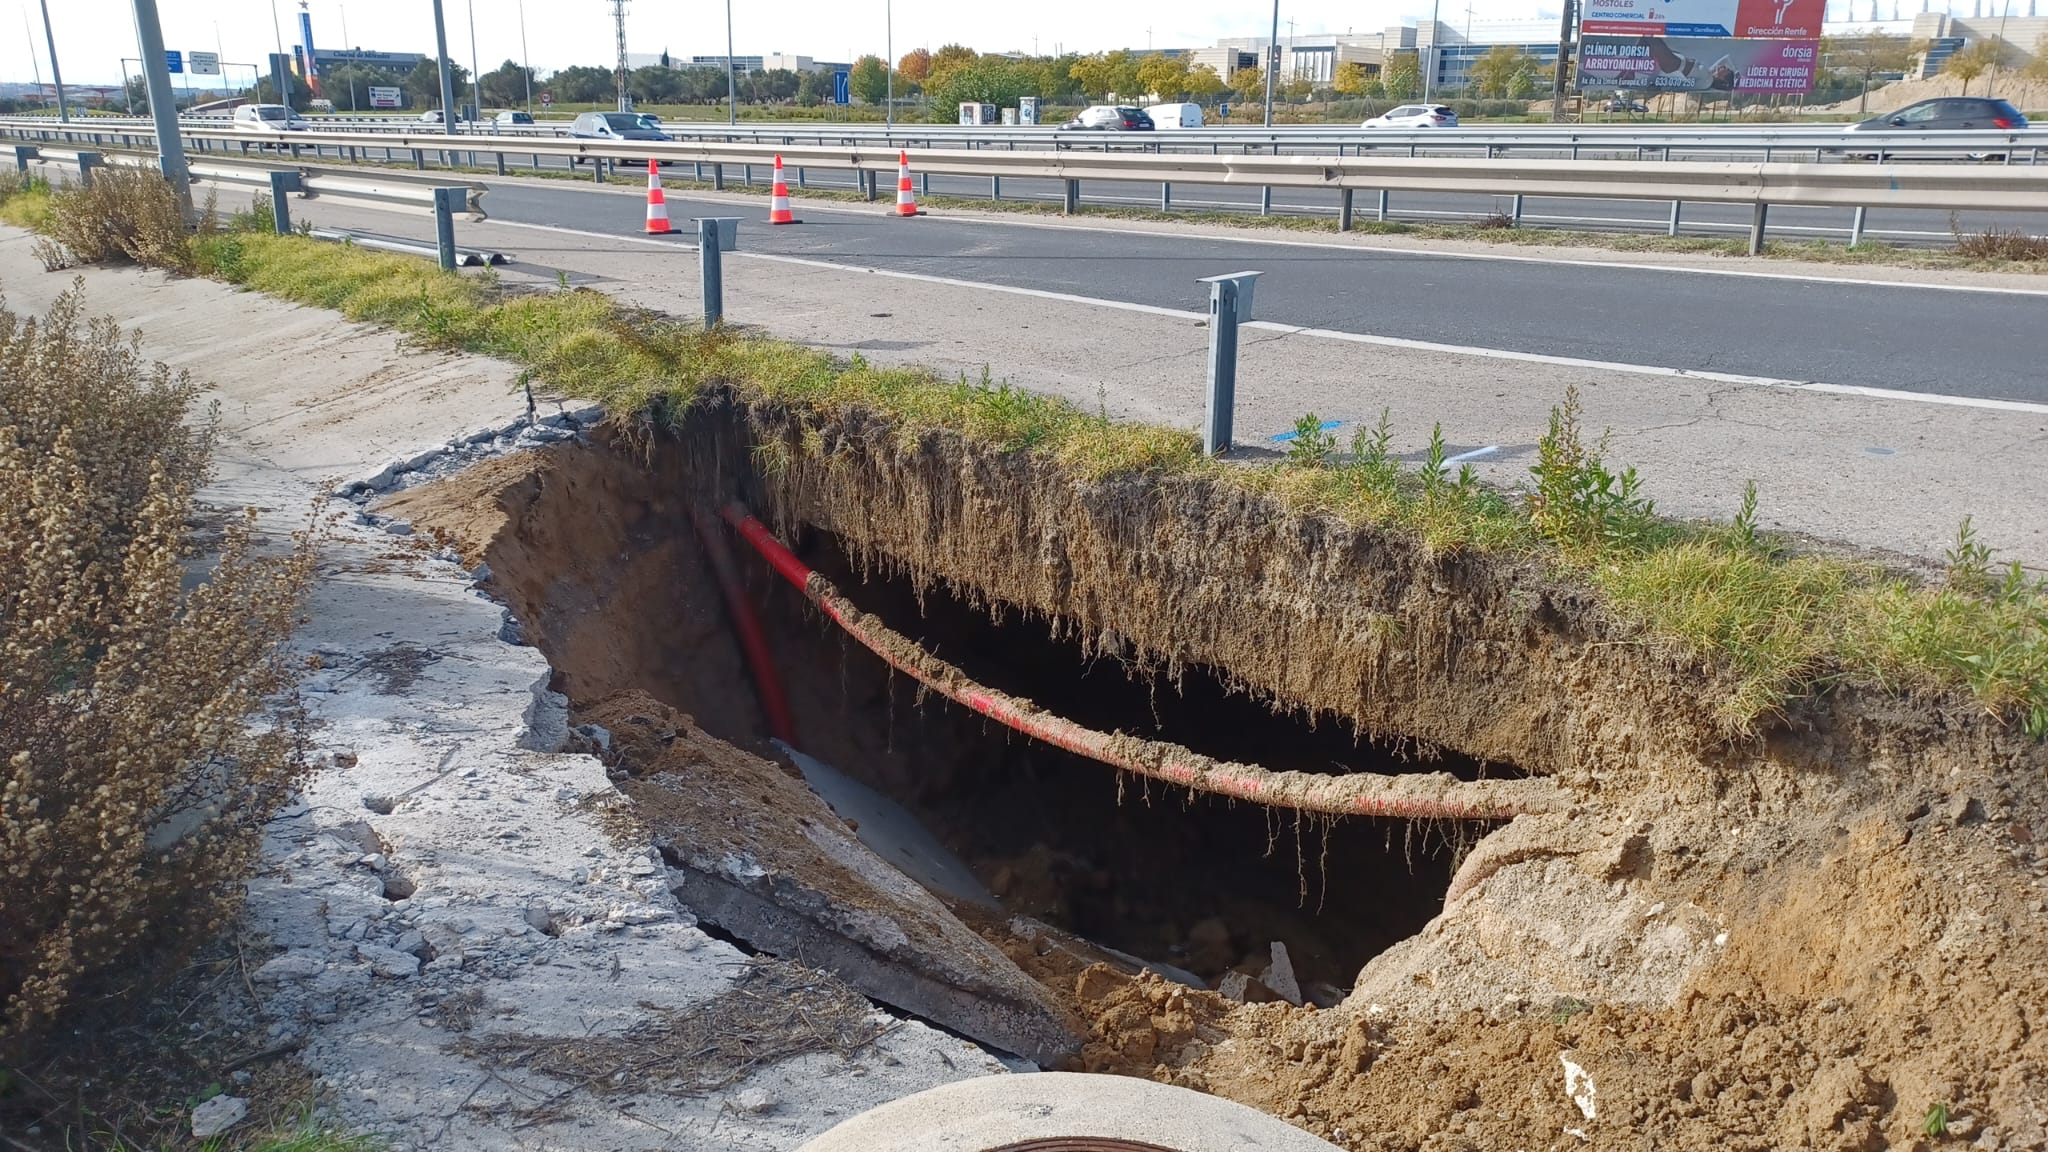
310	62
381	97
1696	64
1759	19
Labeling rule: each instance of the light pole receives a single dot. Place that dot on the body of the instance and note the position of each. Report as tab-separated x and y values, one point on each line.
525	61
163	109
447	81
889	62
280	76
732	88
476	76
346	43
56	77
1429	75
1272	61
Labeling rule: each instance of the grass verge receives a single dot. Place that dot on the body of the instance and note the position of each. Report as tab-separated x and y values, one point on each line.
1785	625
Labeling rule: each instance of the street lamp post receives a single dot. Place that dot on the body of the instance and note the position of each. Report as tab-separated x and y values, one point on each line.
163	107
889	61
525	61
732	87
283	78
56	77
476	75
447	80
1272	61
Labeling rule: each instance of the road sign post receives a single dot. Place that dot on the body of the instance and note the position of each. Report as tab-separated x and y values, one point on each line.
1230	304
202	63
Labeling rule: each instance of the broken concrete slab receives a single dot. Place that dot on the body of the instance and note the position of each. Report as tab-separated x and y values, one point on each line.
754	851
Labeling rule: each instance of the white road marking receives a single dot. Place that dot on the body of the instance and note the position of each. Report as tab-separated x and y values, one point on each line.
1349	337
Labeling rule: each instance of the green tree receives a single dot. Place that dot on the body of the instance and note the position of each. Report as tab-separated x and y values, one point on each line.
1974	61
1248	82
1862	55
1401	76
1495	73
1204	84
583	85
1350	79
423	83
657	85
869	80
1297	90
1164	76
506	85
348	85
813	88
948	58
989	80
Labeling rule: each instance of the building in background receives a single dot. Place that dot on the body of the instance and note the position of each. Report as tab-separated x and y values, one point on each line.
401	62
1946	35
1450	48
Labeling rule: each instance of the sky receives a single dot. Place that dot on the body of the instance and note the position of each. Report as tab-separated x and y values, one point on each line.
92	35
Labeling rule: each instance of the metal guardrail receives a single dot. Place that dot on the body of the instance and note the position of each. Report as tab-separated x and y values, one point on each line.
1640	142
1760	185
374	188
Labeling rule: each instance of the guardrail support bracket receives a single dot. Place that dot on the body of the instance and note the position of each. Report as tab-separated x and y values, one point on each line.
447	202
1071	204
1672	228
1756	229
1856	223
1166	195
716	235
1344	210
23	153
1230	304
87	161
280	208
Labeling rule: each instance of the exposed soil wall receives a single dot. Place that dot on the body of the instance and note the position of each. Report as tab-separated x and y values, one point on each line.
1806	940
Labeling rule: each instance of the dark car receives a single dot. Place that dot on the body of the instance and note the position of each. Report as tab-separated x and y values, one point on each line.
615	126
1947	114
1111	118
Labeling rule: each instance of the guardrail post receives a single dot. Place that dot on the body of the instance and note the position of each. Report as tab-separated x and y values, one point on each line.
280	207
1230	304
87	161
995	187
716	235
23	153
501	163
1344	210
419	159
1856	221
446	202
1672	229
1266	200
1516	215
1756	228
800	179
599	163
1166	195
1071	201
718	177
1383	205
747	175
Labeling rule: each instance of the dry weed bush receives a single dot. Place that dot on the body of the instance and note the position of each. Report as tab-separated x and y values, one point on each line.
1996	243
146	730
125	214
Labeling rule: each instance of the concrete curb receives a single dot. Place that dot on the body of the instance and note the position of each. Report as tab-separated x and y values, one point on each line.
1055	1110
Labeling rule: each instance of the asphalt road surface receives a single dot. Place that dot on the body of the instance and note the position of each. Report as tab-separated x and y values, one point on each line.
1896	226
1914	338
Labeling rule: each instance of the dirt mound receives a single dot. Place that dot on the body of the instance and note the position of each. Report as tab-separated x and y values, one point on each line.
1815	939
2025	94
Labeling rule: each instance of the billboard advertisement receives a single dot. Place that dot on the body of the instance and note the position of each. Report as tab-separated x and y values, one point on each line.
1696	64
381	97
310	61
1758	19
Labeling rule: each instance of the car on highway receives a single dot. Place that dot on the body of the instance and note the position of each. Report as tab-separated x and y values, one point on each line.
433	116
1415	116
1165	116
512	118
269	119
1110	118
1629	106
1946	114
615	126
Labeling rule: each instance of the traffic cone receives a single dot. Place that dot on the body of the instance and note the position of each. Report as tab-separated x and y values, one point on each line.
778	199
906	203
657	204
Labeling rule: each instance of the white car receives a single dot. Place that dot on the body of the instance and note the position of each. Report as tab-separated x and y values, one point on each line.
269	119
1415	116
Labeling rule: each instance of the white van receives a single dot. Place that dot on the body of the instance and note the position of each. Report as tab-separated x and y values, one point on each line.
1171	116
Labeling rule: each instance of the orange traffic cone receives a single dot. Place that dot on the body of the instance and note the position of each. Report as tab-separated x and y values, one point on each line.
778	199
657	204
906	203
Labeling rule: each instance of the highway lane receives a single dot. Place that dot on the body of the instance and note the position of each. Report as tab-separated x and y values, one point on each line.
1920	339
1914	227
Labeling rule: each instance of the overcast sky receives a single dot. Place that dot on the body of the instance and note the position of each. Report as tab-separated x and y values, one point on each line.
92	35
